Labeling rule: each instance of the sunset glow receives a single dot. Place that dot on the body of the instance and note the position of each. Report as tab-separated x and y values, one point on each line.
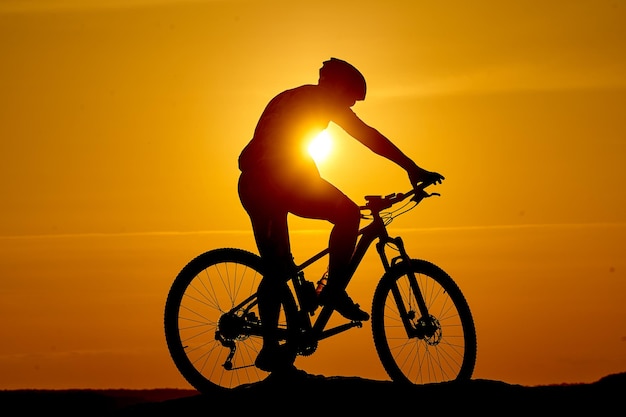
121	126
321	146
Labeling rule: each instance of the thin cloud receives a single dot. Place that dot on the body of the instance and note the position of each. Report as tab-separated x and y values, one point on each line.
511	78
314	231
38	6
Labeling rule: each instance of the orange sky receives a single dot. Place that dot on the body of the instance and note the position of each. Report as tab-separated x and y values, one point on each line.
121	122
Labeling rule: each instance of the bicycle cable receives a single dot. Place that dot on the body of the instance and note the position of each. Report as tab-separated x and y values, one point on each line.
388	216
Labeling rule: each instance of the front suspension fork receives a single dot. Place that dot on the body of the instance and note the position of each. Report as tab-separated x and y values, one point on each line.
406	315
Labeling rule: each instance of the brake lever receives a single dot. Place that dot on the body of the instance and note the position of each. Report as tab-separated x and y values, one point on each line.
423	194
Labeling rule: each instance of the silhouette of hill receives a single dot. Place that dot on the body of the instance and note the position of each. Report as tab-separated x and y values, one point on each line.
309	395
79	402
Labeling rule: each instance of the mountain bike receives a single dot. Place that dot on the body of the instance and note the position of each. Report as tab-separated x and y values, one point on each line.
422	326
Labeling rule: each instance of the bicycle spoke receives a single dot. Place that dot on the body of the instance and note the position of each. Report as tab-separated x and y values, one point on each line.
436	348
212	321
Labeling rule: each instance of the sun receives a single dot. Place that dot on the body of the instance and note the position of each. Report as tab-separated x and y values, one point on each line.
320	146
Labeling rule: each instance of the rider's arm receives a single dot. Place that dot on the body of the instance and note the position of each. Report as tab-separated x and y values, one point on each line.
380	144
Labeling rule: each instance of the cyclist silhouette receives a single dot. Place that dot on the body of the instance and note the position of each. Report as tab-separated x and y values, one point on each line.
279	177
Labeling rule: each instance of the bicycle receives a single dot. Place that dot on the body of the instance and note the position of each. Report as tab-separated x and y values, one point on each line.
422	326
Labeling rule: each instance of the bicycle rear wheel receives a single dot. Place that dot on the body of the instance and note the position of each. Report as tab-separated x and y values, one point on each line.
211	320
439	348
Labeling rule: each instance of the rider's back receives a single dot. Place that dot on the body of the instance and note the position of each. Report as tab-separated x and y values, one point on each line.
288	123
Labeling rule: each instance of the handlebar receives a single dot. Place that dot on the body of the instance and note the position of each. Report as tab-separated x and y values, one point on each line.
377	203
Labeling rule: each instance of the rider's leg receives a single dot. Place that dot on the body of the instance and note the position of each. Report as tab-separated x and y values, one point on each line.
325	202
269	224
341	243
341	248
273	243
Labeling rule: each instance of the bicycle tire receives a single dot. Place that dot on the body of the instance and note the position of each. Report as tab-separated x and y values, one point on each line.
200	325
449	353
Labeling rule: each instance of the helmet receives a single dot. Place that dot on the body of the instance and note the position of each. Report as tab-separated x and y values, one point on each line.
340	73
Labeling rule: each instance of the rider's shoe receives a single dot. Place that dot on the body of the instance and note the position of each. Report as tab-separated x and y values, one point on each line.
343	304
275	359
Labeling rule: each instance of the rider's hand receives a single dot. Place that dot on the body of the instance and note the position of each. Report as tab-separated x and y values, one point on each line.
419	175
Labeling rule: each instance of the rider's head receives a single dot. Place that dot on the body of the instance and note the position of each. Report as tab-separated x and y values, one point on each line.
343	77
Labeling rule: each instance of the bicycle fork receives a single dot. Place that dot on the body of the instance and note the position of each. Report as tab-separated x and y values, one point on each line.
424	326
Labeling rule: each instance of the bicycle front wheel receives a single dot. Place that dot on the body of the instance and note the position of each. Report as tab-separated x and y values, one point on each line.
416	349
212	325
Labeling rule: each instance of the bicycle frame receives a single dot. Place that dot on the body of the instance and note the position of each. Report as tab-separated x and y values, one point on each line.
422	327
376	229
